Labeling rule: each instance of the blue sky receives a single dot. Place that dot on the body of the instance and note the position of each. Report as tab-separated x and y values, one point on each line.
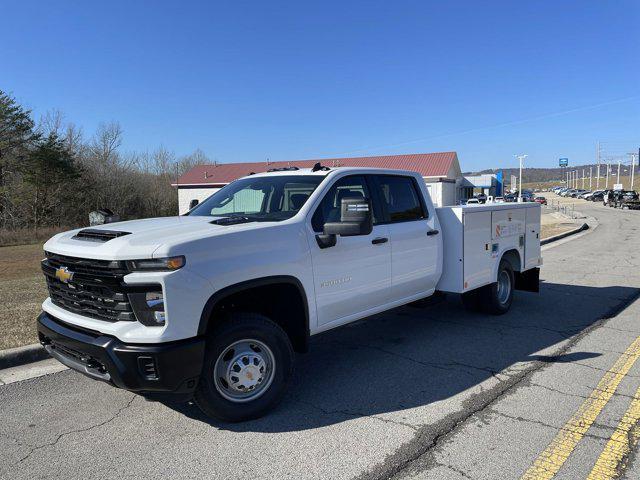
245	81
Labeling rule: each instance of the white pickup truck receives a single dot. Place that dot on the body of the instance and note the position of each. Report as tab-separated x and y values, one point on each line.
211	305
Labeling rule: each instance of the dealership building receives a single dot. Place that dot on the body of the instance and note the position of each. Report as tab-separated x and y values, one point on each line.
440	171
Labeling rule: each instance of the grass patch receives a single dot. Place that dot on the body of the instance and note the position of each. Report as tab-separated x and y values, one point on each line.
22	290
28	236
551	230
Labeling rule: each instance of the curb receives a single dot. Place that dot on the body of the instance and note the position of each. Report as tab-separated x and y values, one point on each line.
560	236
14	357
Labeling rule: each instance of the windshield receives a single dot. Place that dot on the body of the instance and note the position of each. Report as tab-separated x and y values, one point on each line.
273	198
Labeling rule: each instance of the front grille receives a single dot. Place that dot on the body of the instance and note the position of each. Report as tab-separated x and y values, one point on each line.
95	289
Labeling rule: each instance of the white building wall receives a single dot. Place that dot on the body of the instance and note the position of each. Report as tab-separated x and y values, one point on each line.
185	195
443	194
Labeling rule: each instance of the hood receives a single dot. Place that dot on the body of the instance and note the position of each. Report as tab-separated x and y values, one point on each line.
133	239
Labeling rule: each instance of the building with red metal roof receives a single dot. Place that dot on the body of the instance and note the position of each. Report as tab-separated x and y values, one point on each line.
441	172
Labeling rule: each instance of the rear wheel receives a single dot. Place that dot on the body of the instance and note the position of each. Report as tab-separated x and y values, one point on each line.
248	365
497	297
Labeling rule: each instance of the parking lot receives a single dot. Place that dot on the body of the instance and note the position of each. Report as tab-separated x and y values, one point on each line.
418	392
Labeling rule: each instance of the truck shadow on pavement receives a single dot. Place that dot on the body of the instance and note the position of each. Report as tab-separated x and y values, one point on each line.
413	357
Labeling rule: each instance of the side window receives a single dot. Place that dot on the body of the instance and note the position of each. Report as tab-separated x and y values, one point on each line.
400	197
329	209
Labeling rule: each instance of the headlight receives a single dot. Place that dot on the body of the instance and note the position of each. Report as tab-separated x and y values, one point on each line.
156	264
148	308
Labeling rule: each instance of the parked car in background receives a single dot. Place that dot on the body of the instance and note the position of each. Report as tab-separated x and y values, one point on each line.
608	198
473	201
590	196
597	196
540	200
584	194
624	198
498	200
481	197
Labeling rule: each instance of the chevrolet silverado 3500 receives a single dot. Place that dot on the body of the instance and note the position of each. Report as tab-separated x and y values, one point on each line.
213	304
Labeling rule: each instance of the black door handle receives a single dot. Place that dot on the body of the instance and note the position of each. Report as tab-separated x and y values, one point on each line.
378	240
433	232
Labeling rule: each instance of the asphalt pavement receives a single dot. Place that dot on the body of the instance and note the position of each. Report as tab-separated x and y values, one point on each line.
419	392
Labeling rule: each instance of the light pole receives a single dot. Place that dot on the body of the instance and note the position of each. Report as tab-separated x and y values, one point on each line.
520	158
633	165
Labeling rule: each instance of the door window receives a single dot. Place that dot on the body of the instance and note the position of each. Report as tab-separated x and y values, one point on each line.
400	198
354	186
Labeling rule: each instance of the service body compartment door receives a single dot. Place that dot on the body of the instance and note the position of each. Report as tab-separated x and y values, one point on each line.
532	254
508	230
478	261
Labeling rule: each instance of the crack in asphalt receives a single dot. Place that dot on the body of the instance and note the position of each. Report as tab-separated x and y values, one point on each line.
547	425
453	469
80	430
603	370
577	395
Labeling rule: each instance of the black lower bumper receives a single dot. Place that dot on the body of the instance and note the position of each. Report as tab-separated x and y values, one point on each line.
144	368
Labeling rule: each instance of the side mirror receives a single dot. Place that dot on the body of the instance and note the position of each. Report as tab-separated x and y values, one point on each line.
193	203
355	219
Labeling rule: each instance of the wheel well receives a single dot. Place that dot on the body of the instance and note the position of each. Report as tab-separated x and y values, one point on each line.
282	301
513	257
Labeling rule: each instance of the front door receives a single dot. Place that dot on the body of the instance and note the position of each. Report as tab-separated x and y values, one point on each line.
354	275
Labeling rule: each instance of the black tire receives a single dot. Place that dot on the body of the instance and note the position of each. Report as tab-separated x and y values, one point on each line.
493	299
239	327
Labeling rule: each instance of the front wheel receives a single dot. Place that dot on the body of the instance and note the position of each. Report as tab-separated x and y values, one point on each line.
248	365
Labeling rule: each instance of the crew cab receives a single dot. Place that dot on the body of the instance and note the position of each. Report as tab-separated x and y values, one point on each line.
213	304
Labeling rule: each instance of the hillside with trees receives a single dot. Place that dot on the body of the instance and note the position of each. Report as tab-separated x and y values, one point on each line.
52	175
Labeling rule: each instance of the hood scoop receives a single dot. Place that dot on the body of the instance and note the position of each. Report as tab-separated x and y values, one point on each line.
98	235
234	220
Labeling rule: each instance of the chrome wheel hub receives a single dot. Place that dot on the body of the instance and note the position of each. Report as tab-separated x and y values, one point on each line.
504	287
244	370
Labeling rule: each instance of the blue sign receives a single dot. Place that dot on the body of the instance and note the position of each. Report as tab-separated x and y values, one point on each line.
564	162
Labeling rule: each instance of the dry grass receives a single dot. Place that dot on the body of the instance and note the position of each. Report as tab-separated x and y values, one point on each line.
26	236
550	230
22	291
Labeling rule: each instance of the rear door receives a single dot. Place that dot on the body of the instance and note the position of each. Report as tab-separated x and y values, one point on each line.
415	241
354	275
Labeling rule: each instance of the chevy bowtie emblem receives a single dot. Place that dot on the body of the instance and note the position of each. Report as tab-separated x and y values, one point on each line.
64	275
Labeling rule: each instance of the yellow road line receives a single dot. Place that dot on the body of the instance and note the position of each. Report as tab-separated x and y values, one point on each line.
623	440
551	460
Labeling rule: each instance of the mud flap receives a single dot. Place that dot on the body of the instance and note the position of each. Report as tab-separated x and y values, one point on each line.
529	281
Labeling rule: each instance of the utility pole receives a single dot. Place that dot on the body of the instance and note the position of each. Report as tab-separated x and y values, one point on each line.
598	162
520	158
583	178
606	183
590	177
619	162
633	165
